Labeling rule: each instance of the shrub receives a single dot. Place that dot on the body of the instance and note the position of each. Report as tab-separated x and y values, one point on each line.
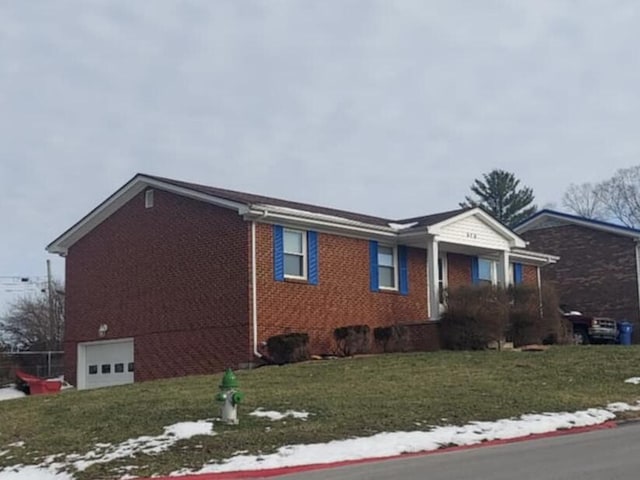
476	316
393	338
352	339
288	348
557	329
526	325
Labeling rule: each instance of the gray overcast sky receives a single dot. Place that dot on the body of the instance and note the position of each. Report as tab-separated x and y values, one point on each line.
384	107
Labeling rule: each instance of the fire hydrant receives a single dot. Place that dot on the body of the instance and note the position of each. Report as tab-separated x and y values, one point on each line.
230	397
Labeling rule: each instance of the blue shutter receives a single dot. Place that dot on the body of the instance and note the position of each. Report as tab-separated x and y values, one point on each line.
403	273
312	251
517	273
278	253
475	271
373	265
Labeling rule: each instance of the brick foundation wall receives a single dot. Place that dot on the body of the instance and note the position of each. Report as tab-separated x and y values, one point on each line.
596	273
173	276
342	296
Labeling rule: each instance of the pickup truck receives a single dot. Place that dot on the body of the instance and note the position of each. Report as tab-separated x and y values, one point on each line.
587	329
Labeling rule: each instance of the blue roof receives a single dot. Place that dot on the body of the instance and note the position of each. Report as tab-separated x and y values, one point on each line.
583	220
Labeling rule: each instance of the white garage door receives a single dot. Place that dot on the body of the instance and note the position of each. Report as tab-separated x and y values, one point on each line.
103	364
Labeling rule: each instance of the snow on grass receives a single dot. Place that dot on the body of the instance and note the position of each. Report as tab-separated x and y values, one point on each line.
273	415
390	444
9	393
634	380
31	472
150	445
105	452
386	444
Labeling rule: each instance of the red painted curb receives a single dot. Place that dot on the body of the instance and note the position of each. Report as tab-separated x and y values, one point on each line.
274	472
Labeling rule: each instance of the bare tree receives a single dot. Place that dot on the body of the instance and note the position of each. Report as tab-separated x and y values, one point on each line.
584	200
35	321
620	196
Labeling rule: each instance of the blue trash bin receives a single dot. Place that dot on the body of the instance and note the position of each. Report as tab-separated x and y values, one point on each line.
626	329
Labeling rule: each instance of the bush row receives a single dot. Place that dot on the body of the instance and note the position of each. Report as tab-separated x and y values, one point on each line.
476	316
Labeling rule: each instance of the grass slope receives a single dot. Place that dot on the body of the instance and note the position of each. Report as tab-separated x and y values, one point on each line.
347	397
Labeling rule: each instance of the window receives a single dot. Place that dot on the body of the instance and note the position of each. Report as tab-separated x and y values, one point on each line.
106	368
93	369
130	367
118	367
387	267
485	270
295	255
295	250
148	199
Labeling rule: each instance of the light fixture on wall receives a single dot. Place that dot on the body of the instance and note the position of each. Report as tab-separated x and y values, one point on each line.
102	330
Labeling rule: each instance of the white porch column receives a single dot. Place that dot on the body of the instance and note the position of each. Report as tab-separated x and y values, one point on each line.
432	269
503	269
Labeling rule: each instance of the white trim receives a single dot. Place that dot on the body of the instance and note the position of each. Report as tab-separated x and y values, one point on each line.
513	239
308	221
304	254
532	258
81	358
433	301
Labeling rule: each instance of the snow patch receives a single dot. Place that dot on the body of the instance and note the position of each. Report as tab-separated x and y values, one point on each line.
31	472
9	393
273	415
634	380
396	443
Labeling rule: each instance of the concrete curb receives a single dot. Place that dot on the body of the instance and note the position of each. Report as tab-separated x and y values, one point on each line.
275	472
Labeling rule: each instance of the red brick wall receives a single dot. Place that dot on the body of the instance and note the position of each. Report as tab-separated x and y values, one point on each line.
530	275
174	276
458	270
596	273
342	296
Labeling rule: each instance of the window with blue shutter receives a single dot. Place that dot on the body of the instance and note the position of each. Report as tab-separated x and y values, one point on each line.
517	273
295	255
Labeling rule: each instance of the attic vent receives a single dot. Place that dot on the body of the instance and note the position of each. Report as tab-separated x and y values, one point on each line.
148	199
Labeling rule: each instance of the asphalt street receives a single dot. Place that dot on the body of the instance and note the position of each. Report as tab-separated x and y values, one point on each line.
612	454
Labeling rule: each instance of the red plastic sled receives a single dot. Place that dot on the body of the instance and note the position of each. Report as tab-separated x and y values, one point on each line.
32	385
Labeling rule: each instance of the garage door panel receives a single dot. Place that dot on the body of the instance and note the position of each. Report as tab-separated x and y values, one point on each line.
108	364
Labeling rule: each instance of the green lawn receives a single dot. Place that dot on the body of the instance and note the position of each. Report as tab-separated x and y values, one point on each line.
347	397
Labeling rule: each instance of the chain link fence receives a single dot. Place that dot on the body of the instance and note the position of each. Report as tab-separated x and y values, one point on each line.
41	364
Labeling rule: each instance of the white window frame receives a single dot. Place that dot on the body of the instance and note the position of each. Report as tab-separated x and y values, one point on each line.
304	254
394	254
494	271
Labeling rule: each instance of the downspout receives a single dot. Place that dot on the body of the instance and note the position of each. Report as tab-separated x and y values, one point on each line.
254	290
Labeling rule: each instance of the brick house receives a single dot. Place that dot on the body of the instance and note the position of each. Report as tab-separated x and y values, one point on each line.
190	279
599	266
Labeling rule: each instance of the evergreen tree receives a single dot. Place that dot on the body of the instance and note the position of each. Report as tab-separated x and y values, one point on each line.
500	194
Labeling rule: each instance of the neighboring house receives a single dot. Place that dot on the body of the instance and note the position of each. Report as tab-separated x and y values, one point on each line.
185	279
599	266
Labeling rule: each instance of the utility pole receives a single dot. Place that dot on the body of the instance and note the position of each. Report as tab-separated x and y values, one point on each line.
50	298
